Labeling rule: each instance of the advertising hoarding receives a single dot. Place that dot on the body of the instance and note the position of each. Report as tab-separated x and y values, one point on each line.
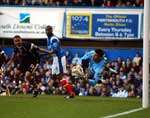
30	22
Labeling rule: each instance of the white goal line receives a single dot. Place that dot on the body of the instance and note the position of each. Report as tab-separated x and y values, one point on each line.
123	113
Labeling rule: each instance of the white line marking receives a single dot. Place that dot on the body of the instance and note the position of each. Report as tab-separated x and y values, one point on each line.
123	113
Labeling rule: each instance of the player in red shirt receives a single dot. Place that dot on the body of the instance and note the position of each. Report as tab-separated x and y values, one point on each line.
67	86
70	90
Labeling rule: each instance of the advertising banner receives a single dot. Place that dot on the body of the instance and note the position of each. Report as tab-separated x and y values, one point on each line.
30	22
79	25
115	26
104	24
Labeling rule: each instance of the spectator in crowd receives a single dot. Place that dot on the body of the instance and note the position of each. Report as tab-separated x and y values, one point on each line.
2	2
120	3
50	3
11	2
68	56
44	2
3	57
128	3
76	59
28	2
65	3
76	3
137	59
36	2
121	93
138	3
20	2
108	3
48	64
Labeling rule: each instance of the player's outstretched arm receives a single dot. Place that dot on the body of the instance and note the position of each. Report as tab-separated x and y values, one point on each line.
46	51
41	49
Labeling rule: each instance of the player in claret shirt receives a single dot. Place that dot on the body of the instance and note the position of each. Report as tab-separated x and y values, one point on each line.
26	57
25	54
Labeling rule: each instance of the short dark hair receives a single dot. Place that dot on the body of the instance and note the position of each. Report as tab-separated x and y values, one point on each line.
17	36
100	52
48	26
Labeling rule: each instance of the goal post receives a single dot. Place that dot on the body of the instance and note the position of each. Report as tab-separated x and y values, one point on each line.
146	38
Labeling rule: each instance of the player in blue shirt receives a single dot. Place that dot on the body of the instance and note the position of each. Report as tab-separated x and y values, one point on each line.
54	45
95	62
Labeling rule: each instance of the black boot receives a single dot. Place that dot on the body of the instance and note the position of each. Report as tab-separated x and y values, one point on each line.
35	93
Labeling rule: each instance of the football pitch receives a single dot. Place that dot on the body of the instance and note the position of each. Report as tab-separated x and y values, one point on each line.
25	106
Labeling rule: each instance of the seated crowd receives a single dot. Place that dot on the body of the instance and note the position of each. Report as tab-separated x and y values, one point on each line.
101	3
119	78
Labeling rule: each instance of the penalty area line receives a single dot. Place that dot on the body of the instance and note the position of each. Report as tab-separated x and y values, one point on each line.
123	113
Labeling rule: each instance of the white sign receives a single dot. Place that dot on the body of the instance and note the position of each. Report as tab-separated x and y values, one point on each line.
30	22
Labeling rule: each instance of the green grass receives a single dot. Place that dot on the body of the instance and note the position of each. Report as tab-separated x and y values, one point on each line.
140	114
58	107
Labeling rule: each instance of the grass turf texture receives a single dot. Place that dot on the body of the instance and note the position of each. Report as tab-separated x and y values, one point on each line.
57	107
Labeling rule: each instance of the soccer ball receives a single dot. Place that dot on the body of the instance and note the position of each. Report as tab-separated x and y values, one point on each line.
80	94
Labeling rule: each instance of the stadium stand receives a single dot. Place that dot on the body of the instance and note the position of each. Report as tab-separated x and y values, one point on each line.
121	77
101	3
